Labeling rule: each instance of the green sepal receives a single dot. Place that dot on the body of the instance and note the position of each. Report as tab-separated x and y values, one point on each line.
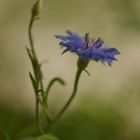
82	64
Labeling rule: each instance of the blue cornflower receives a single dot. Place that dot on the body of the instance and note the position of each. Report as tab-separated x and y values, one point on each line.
87	48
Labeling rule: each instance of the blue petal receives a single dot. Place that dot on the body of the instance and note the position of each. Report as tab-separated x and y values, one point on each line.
97	51
71	46
100	54
112	51
61	37
98	43
72	42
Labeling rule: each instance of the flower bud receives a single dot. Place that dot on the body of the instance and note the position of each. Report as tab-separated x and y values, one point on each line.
36	8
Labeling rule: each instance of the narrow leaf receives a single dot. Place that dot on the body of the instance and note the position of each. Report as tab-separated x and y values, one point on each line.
33	82
87	72
29	54
54	80
35	65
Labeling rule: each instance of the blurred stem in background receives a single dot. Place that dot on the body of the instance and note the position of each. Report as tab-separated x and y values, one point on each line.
6	135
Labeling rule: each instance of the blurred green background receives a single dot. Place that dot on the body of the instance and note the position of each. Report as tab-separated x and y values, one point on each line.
107	106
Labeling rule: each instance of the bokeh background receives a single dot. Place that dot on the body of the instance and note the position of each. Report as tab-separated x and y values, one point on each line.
107	106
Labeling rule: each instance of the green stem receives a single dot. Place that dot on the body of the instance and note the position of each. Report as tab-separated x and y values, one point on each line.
49	117
36	66
34	54
42	88
39	81
37	117
30	34
77	77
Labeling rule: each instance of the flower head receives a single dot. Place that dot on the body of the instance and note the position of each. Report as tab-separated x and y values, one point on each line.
87	48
